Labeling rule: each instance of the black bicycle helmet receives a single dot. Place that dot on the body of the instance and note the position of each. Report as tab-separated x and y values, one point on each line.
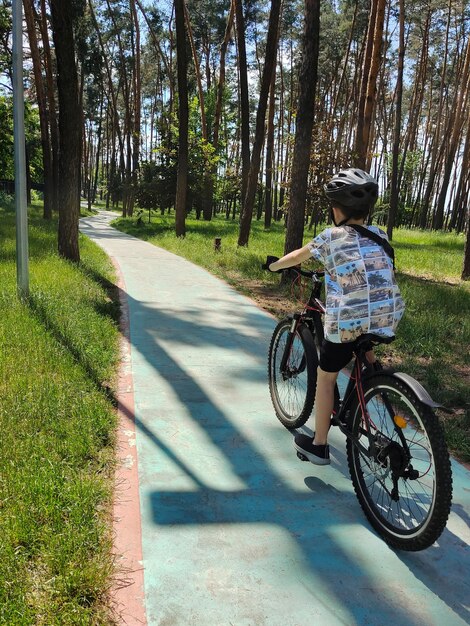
353	189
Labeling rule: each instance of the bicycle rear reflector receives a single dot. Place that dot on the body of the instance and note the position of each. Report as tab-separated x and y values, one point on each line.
400	421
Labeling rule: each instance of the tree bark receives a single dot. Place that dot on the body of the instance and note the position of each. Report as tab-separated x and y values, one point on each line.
436	152
116	127
304	125
51	102
207	170
70	129
367	59
460	116
221	81
393	210
270	61
363	134
183	120
42	105
466	260
268	207
244	97
137	85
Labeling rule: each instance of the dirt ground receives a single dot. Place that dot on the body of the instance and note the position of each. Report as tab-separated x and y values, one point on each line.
268	297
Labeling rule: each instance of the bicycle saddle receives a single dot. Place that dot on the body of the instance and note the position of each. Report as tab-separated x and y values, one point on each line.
371	337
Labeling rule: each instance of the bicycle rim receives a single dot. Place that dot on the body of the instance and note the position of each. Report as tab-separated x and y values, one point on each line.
414	516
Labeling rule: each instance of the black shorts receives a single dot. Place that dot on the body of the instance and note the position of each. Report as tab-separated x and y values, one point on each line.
335	356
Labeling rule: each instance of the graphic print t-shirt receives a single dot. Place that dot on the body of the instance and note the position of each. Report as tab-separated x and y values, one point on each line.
361	293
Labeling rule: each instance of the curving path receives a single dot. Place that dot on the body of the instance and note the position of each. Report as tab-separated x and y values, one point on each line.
235	531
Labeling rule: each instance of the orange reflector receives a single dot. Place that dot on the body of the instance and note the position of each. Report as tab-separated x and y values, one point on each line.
400	421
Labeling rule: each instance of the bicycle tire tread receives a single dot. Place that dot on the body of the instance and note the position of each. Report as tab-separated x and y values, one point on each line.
308	342
440	514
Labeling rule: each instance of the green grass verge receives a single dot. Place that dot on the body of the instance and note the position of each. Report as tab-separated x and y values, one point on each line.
58	354
433	338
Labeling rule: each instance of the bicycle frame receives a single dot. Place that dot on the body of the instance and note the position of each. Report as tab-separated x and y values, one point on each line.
362	369
355	389
377	405
311	315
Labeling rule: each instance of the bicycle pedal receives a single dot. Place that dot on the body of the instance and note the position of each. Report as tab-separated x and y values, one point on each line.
335	422
301	456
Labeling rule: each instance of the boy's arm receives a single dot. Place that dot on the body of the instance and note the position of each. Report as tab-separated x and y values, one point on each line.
293	258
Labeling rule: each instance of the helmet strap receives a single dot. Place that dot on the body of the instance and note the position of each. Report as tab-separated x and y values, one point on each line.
332	215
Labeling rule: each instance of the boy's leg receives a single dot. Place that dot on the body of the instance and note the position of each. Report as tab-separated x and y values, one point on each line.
370	356
316	450
324	403
333	357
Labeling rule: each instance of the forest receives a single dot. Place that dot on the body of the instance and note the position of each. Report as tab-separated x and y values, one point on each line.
242	109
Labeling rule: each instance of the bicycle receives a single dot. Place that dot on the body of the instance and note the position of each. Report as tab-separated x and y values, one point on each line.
397	457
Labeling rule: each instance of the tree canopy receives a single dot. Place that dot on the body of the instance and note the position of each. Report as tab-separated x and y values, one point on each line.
392	95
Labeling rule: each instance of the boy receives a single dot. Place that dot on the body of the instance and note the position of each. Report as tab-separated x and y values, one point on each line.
361	293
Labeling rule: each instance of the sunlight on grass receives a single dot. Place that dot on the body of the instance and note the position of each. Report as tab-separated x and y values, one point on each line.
432	255
57	423
198	245
419	253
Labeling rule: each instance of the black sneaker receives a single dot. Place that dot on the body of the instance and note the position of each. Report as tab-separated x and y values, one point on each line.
319	455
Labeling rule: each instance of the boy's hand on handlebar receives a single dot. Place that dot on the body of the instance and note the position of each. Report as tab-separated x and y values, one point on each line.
269	260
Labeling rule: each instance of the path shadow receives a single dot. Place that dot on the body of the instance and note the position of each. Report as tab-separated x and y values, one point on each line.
312	518
317	518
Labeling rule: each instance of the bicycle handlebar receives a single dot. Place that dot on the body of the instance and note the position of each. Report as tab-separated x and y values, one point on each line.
300	272
307	273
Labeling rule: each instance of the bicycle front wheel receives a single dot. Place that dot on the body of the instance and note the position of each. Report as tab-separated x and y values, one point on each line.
292	389
404	484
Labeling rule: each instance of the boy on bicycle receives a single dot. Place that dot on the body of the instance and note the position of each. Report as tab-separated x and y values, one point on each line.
361	293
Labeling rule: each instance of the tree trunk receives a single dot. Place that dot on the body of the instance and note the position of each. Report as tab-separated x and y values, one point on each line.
393	210
42	105
367	59
51	101
460	202
416	104
436	153
137	88
466	260
219	100
207	170
244	96
70	129
270	61
183	115
460	116
304	125
116	128
363	134
98	150
268	210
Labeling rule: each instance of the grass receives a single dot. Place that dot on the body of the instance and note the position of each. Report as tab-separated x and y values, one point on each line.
434	335
432	255
58	357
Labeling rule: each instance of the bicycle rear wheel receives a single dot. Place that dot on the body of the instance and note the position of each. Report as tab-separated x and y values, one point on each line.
292	390
405	485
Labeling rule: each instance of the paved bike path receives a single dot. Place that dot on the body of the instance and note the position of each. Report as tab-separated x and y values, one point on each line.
236	531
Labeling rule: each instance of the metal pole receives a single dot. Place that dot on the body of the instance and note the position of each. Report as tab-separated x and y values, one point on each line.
22	263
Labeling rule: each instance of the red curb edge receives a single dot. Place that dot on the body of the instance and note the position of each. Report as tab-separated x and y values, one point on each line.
128	596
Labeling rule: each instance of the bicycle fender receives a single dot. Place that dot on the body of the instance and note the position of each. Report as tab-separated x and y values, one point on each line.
421	393
414	386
